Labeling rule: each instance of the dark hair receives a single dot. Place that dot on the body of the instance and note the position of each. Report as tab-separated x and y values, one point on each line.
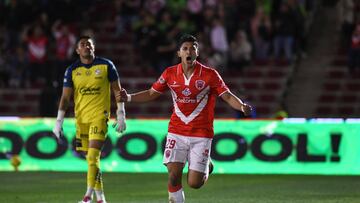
84	37
187	38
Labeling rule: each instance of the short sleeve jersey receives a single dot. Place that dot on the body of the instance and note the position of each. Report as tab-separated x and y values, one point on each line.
91	85
193	99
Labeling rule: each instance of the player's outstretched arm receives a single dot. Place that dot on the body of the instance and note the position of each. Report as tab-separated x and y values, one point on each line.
63	106
142	96
236	103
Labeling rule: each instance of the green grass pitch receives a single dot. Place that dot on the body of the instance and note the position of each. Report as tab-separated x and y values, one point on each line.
68	187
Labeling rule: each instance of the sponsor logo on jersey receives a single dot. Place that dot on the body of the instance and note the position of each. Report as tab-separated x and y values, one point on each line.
186	92
185	100
199	84
97	72
89	90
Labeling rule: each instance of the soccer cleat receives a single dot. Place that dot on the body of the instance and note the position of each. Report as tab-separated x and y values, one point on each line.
86	199
171	200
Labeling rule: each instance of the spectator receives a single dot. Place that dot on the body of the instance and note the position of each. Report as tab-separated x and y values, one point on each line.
126	14
165	50
346	18
261	33
300	35
36	42
185	24
145	39
240	54
175	7
154	6
204	48
219	42
65	41
15	15
285	28
19	72
43	21
195	8
206	20
165	41
166	23
354	51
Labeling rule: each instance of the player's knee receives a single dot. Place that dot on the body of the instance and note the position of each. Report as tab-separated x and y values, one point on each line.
195	184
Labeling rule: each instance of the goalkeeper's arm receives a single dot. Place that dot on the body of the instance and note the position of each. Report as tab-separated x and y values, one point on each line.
63	106
120	124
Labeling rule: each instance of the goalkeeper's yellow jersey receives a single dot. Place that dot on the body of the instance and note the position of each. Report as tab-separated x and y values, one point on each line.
91	85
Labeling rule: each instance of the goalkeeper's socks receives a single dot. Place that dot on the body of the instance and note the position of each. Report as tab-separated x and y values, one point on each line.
100	196
93	159
89	192
176	194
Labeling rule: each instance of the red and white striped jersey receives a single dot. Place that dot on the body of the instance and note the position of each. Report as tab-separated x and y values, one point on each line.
193	99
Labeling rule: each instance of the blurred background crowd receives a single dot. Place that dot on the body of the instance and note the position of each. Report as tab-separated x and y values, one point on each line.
258	46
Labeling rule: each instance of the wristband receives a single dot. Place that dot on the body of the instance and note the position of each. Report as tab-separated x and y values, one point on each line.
120	106
129	98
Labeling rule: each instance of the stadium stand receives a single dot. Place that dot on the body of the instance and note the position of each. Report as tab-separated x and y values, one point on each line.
264	82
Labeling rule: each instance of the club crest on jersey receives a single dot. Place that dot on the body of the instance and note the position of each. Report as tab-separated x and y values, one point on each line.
186	92
199	84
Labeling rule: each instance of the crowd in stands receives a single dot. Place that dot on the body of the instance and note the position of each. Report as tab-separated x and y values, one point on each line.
37	37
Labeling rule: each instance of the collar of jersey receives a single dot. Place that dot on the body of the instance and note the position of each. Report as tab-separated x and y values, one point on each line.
197	69
88	65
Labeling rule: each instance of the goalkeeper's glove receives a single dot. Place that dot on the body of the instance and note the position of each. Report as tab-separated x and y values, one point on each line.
57	130
120	125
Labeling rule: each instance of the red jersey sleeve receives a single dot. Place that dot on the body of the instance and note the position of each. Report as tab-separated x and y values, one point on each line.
218	84
161	84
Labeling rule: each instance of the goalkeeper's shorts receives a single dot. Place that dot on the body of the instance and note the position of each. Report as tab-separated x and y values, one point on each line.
96	130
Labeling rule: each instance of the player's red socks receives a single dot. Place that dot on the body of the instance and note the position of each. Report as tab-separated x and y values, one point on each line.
174	188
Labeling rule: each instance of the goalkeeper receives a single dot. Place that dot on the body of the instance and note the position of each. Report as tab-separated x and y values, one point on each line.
90	79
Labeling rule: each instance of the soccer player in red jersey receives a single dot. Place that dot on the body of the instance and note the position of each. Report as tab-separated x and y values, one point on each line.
194	88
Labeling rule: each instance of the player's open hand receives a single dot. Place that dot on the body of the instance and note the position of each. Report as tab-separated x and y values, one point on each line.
123	96
57	130
246	108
